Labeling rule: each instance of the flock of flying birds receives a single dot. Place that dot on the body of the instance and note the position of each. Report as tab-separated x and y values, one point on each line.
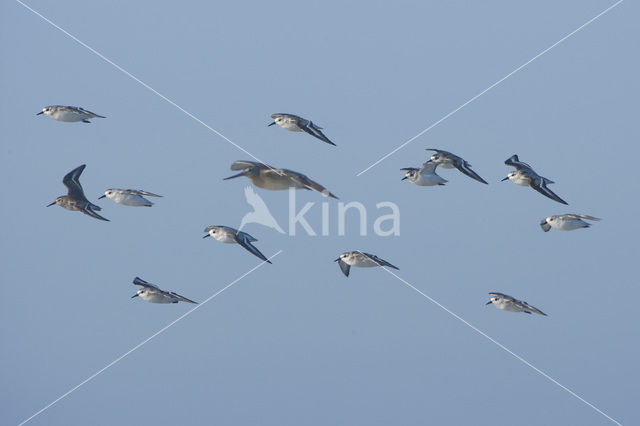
267	177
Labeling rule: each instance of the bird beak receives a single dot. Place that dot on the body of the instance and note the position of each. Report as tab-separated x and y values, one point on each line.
135	295
504	179
234	176
337	260
41	112
49	205
488	303
403	178
271	124
206	236
101	197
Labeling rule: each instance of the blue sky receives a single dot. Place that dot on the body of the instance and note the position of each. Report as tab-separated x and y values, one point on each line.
296	342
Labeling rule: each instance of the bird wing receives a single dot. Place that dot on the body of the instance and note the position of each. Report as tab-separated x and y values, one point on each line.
429	167
177	296
527	307
465	168
244	240
314	131
545	225
379	261
514	161
344	267
579	216
84	111
540	184
70	108
242	164
72	181
244	235
139	281
307	183
89	208
139	192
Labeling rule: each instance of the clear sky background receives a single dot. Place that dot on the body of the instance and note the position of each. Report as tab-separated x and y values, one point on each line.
296	342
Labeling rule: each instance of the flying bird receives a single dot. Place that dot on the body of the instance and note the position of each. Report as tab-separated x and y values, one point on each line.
151	293
229	235
267	177
425	176
447	160
75	199
360	260
508	303
129	197
524	175
68	114
294	123
566	222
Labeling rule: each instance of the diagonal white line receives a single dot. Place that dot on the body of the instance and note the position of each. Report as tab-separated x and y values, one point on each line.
501	346
115	361
128	74
492	86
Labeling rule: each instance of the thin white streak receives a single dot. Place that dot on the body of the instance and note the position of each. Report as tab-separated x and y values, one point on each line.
492	86
128	74
501	346
115	361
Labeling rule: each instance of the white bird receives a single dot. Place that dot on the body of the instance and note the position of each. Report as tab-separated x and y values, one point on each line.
508	303
447	160
566	222
525	176
229	235
425	176
361	260
294	123
153	294
267	177
75	199
129	197
260	213
68	114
